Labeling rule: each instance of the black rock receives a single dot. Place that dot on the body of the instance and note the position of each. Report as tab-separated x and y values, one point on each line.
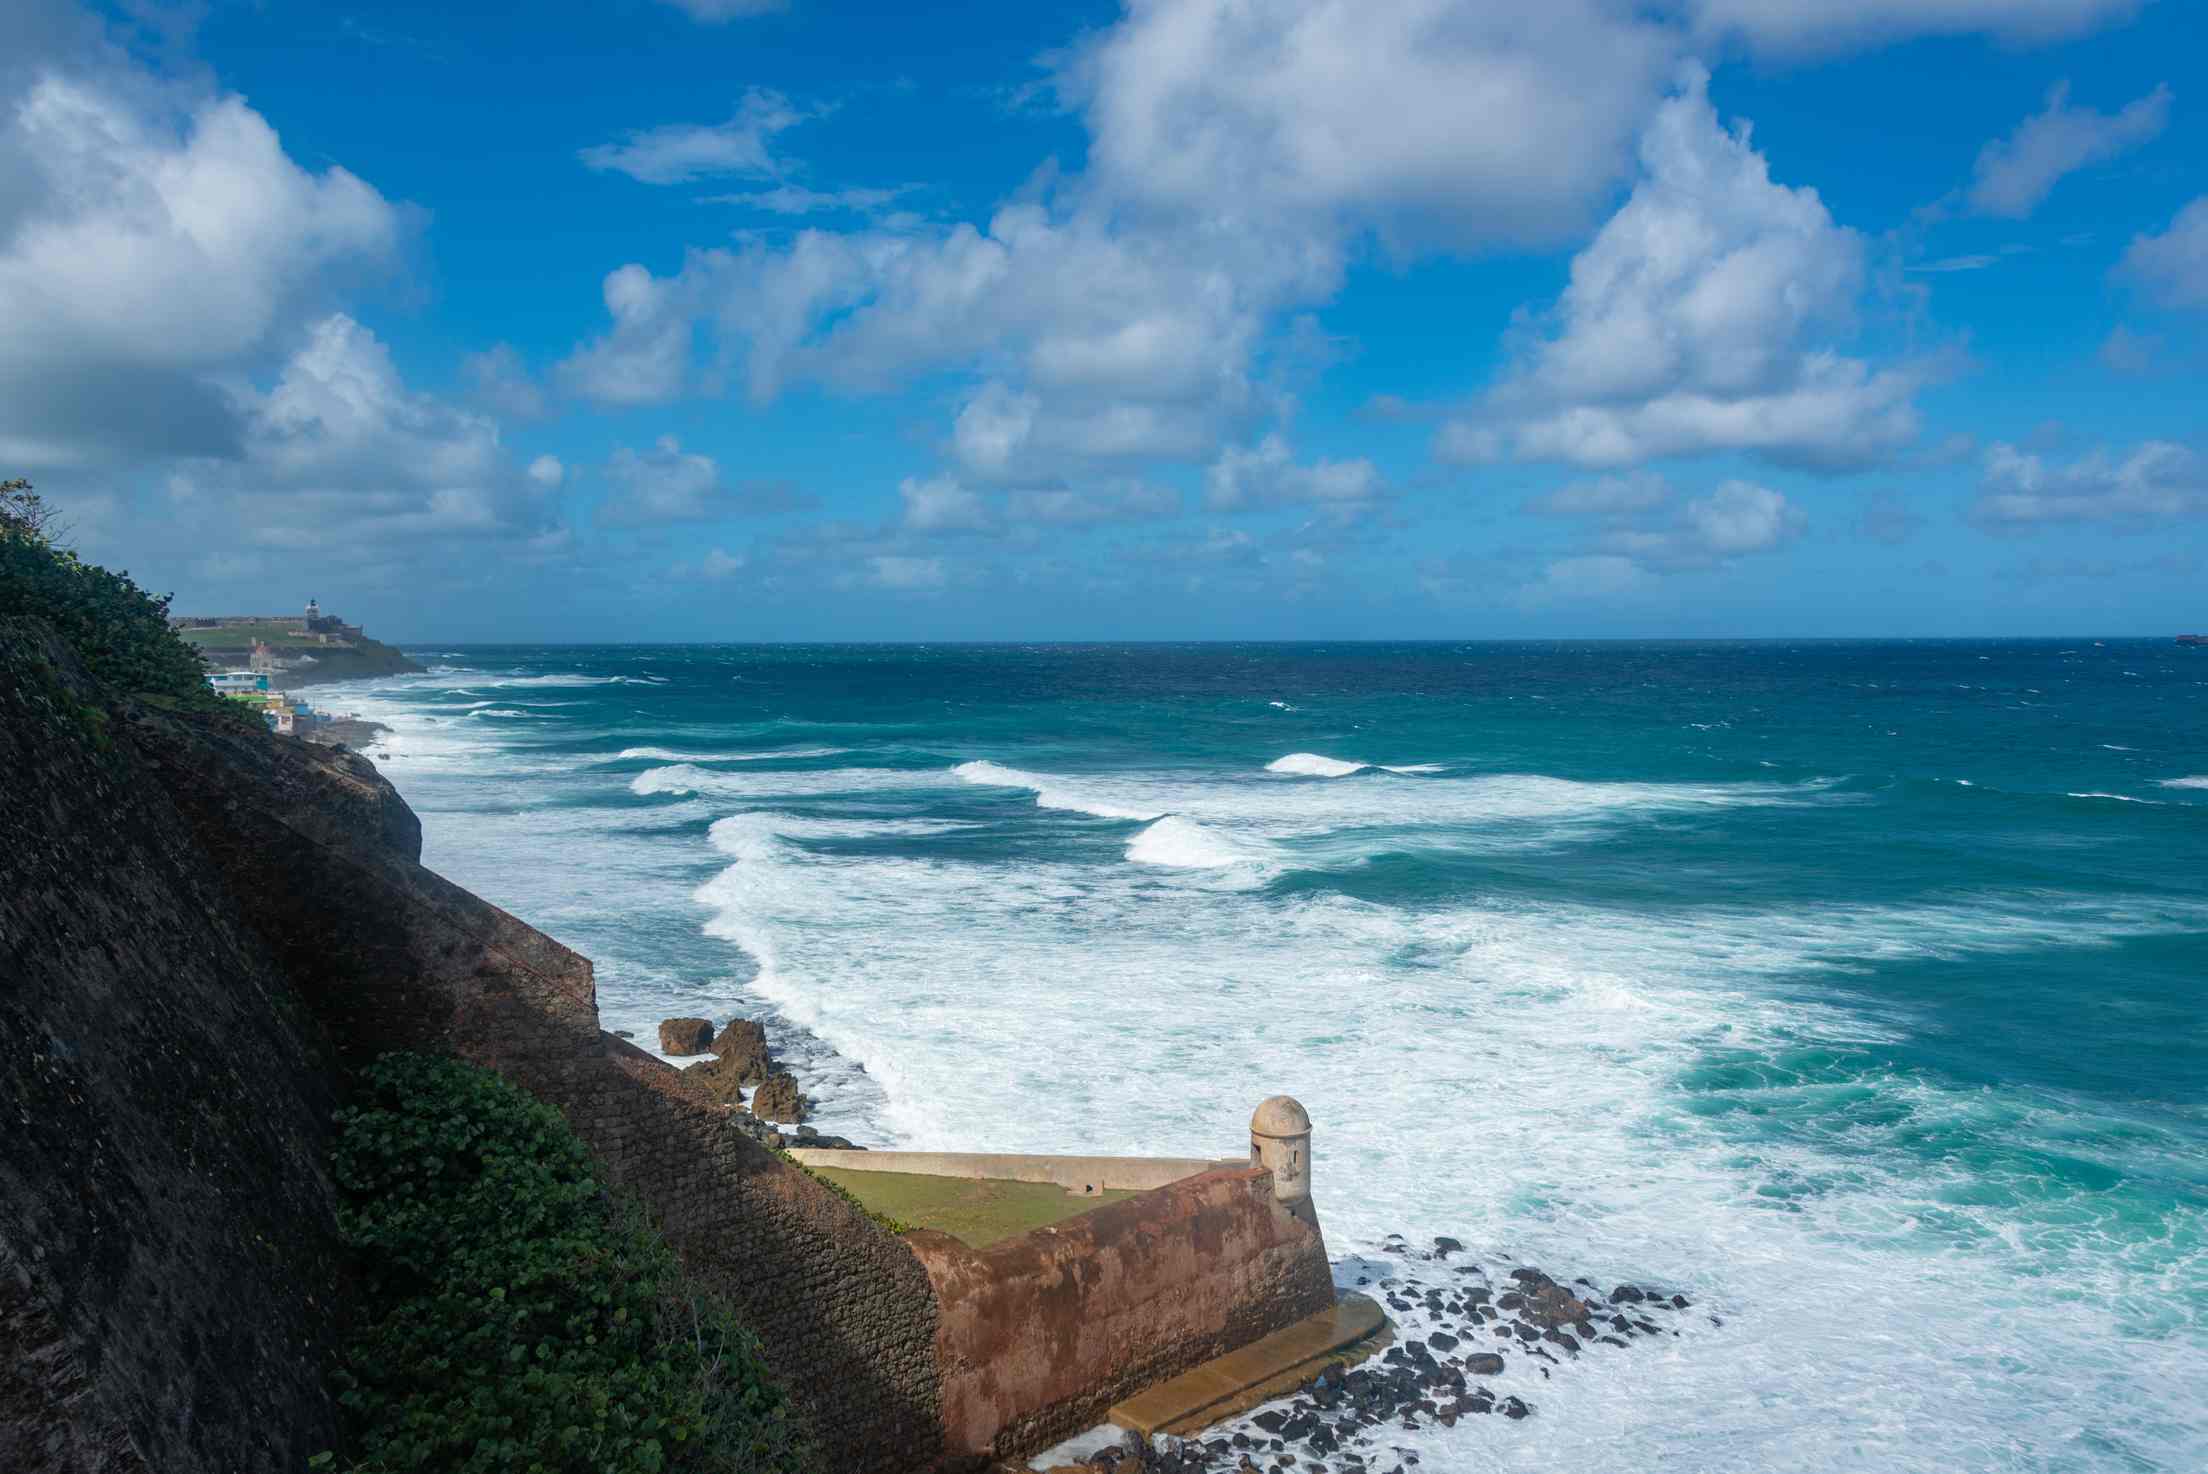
1679	1302
1626	1295
1270	1422
1513	1408
1445	1246
1484	1364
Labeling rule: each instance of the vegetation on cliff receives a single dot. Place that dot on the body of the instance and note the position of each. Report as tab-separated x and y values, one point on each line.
119	631
519	1317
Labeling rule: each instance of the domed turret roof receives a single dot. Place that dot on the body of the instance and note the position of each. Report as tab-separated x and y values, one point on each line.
1280	1115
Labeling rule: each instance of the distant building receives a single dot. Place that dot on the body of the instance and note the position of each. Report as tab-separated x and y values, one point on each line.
239	682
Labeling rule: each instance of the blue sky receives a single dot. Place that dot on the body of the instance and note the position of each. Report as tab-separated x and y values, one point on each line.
710	319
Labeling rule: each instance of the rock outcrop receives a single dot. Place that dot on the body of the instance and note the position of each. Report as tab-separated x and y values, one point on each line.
778	1099
169	1265
681	1036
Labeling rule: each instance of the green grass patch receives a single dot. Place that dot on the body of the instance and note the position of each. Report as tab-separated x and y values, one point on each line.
977	1211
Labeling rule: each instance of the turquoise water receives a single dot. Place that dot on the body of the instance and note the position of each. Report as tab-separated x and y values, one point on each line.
1856	987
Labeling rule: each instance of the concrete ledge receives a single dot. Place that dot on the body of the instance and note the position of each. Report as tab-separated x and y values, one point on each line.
1077	1175
1348	1331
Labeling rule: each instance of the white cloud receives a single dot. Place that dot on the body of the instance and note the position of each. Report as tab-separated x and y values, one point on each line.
1699	320
1431	121
547	471
719	564
2157	481
2014	174
715	12
902	573
1586	576
679	152
1128	501
796	199
341	457
1741	518
2173	266
2130	353
150	248
1640	538
669	484
498	379
1812	27
942	505
1267	474
646	358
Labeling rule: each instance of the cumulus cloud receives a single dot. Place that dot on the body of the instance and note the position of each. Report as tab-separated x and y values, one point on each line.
1429	121
679	152
2157	481
1640	533
1586	576
2014	174
943	505
498	380
668	484
547	471
341	456
151	247
645	359
1267	475
1700	319
2173	267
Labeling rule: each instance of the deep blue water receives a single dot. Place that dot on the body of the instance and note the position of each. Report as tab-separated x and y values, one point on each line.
1857	985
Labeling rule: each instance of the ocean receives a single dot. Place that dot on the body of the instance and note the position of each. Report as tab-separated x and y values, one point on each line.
1854	989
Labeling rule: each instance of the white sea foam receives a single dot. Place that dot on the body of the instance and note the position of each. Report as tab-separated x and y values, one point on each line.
560	679
1186	845
760	787
1050	792
1838	1275
2197	781
665	755
1506	1073
499	711
2122	798
1311	765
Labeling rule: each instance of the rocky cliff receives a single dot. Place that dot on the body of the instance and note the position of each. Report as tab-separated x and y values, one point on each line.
201	926
168	1259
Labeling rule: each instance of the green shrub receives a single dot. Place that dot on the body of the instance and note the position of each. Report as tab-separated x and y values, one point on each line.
117	629
520	1319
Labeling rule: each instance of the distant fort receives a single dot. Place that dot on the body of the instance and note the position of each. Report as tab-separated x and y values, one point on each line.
305	649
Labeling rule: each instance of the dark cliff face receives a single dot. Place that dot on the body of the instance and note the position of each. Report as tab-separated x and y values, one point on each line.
168	1258
201	927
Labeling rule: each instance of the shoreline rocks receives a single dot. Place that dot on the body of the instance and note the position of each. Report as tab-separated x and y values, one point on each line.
778	1099
1458	1328
684	1036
